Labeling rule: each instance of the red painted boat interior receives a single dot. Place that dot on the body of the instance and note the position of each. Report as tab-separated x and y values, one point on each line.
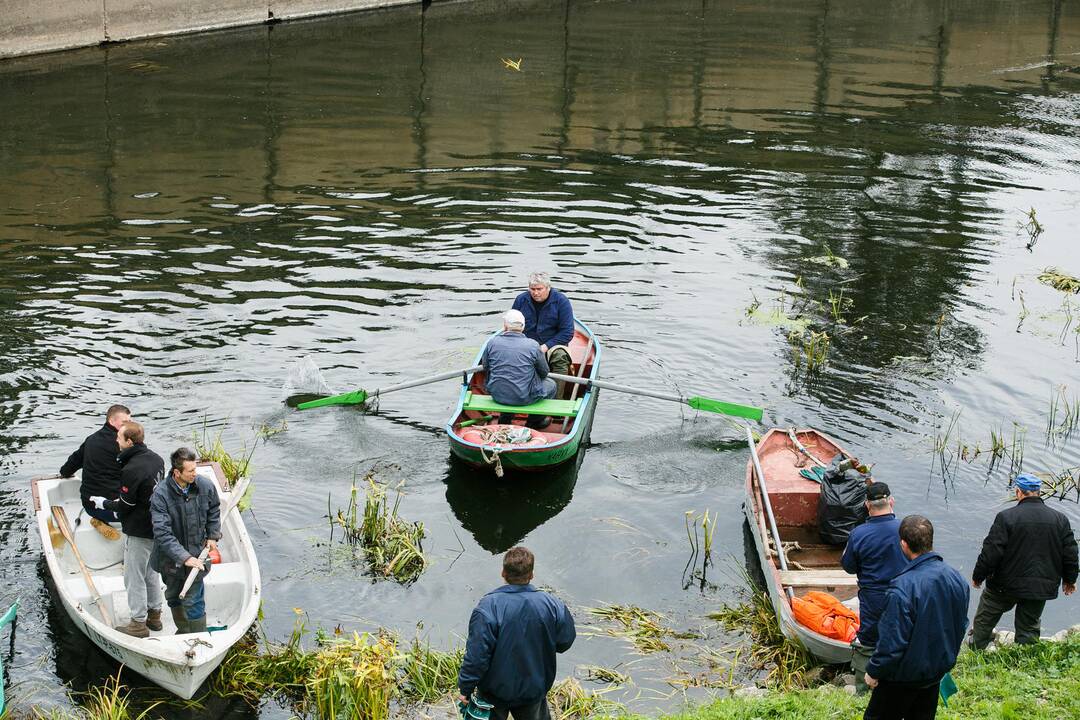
552	432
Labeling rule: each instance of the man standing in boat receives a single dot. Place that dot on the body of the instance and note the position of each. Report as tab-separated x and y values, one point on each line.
514	633
186	515
549	320
1029	551
142	470
517	372
100	470
920	631
873	554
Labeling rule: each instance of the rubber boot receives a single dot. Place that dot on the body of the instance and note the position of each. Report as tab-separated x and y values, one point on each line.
197	625
153	619
180	618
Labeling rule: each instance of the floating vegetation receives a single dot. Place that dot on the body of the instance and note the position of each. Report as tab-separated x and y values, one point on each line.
1064	415
838	305
829	259
700	545
234	465
779	315
610	676
1059	280
1032	227
393	546
267	431
809	348
570	701
1023	311
1062	484
786	660
997	445
512	64
1016	450
641	627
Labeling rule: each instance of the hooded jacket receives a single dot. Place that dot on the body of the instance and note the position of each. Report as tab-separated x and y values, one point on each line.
142	469
1029	551
97	459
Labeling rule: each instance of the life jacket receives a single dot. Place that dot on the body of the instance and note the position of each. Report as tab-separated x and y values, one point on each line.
824	614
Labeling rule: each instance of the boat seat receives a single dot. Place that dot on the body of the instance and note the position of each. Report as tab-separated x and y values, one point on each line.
818	578
486	403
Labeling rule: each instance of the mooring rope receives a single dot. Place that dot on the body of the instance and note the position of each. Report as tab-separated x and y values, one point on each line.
500	435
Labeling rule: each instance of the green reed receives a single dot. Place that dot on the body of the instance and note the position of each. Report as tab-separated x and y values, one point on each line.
393	546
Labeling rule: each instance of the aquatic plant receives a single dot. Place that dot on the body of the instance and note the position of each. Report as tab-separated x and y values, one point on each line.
1063	415
1023	311
267	431
838	304
570	701
393	546
1016	451
597	673
234	465
829	259
699	545
640	627
1061	484
1060	280
429	674
354	678
810	348
1032	227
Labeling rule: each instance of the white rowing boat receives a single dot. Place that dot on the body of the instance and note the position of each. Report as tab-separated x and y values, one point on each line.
178	663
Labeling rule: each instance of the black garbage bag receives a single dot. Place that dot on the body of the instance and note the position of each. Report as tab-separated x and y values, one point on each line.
841	505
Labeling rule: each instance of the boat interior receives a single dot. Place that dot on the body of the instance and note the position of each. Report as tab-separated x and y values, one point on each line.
812	564
226	586
482	419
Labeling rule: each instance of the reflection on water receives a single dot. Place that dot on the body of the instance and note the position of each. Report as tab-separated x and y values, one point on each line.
185	218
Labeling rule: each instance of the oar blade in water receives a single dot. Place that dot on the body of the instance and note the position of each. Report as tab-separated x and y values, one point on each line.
356	397
725	408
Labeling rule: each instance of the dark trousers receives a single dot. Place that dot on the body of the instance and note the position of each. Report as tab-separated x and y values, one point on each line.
992	605
536	711
902	701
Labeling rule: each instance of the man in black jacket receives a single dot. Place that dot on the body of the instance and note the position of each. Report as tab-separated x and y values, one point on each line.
1028	552
100	470
142	470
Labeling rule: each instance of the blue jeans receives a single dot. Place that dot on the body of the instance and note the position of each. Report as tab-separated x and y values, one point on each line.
193	603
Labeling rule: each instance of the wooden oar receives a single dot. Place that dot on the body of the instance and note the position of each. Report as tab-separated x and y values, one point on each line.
359	397
580	373
62	522
235	496
696	402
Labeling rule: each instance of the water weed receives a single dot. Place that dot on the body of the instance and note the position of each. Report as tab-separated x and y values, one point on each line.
429	674
393	546
785	660
1060	280
596	673
570	701
1032	227
640	627
354	678
234	465
700	545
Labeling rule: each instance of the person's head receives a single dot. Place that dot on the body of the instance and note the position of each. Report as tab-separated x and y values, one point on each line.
879	501
130	433
1027	485
916	536
117	415
518	565
539	286
513	321
183	465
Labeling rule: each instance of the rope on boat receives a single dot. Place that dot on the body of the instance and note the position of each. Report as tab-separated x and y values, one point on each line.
500	435
787	547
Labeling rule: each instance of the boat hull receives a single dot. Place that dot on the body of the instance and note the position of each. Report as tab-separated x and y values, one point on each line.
795	508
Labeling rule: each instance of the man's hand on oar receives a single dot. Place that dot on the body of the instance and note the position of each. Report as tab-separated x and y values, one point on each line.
698	403
358	397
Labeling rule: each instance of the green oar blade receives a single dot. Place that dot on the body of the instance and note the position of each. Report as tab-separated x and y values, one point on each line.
725	408
356	397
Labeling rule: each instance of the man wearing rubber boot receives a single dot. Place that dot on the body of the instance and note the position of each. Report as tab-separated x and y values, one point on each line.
100	471
517	373
142	470
1029	552
186	516
873	554
549	320
514	633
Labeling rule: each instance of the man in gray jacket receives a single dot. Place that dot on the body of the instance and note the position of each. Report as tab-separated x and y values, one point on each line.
186	516
517	372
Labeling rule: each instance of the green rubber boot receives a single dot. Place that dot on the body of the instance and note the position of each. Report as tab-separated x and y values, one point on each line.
180	618
198	625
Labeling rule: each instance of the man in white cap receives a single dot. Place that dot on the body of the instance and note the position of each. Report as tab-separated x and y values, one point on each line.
1029	552
517	372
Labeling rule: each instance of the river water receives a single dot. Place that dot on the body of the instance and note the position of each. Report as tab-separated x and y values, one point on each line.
185	219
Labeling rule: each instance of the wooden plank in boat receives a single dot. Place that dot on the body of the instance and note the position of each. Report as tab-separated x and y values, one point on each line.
817	578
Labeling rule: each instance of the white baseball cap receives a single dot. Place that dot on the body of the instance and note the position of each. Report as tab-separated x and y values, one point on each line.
514	317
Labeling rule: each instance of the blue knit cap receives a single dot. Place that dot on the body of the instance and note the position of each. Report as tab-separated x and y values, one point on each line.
1027	483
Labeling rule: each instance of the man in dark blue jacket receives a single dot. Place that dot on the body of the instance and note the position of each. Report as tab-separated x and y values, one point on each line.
873	553
549	320
920	632
514	633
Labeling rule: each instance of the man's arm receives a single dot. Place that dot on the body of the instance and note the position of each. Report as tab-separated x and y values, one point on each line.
565	332
850	560
894	635
163	531
478	651
74	462
540	362
1068	557
993	549
566	633
213	515
129	489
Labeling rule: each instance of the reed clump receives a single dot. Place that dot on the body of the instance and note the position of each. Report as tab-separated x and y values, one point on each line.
810	348
354	678
429	674
641	627
1060	280
598	673
234	465
393	546
785	660
570	701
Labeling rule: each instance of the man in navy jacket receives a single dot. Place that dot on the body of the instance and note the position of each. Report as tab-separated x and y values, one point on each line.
514	633
549	320
920	632
873	553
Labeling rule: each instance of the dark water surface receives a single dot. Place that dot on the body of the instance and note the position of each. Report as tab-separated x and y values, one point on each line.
184	219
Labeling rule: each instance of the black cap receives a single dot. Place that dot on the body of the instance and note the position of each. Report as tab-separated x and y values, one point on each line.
877	491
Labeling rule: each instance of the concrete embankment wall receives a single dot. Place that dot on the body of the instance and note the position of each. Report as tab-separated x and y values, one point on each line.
37	26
